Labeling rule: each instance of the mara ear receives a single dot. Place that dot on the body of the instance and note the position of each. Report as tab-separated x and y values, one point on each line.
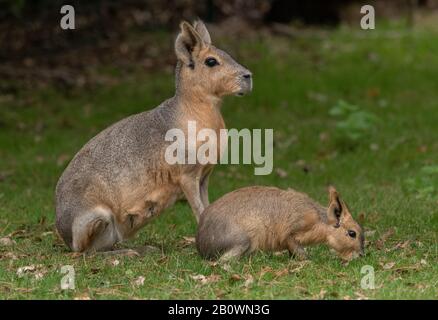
336	209
187	44
202	30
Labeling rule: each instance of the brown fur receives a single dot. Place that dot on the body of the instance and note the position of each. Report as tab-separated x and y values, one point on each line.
271	219
120	178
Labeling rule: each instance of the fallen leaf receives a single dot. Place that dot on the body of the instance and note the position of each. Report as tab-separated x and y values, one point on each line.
5	174
370	233
388	265
373	92
82	296
321	294
62	159
227	267
264	271
281	172
220	293
187	241
206	279
6	242
236	277
282	272
249	281
39	275
360	296
8	255
361	218
324	136
380	243
22	270
303	165
401	245
94	270
300	266
37	270
115	262
139	281
422	149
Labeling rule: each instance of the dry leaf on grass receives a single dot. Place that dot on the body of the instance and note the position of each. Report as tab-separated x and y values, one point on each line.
187	241
264	271
370	233
62	159
37	270
8	255
280	273
249	281
320	295
388	265
82	296
74	254
380	243
6	242
300	266
212	263
401	245
227	267
115	262
139	281
236	277
281	172
206	279
360	296
361	218
280	253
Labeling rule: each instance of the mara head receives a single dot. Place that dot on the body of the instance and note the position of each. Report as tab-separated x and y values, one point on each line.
205	69
347	237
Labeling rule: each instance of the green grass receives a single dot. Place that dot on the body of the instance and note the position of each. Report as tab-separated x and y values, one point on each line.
391	74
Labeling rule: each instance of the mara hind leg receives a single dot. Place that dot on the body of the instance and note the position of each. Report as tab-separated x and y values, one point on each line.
236	251
94	231
190	185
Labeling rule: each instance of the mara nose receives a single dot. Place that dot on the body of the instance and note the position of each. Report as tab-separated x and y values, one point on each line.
247	76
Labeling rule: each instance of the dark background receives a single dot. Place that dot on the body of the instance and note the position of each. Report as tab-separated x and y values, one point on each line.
35	51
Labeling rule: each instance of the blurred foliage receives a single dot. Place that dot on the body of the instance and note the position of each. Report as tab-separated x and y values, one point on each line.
425	184
353	124
16	8
12	6
166	11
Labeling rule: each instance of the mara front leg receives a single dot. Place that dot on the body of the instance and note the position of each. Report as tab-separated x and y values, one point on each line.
204	188
190	185
295	249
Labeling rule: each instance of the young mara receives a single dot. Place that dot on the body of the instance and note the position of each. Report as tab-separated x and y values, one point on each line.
120	180
271	219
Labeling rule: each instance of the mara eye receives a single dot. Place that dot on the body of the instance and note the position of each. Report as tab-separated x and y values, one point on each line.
211	62
352	233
